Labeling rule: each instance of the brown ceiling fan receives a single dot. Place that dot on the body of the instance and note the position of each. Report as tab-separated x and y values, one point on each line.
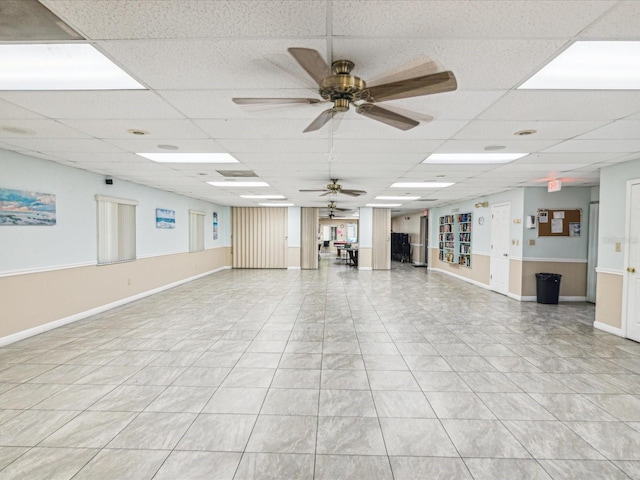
337	85
334	188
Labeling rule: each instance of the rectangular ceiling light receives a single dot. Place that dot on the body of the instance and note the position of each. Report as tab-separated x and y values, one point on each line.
263	197
384	197
189	157
421	185
63	66
608	65
239	184
465	158
383	205
276	204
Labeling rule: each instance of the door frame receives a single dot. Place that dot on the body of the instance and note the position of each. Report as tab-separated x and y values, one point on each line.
627	245
491	249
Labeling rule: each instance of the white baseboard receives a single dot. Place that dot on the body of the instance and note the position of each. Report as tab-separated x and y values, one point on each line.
293	268
365	268
460	277
608	328
561	298
16	337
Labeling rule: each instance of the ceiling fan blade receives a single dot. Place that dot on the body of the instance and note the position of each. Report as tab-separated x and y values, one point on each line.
275	101
318	190
386	116
416	67
320	120
287	64
414	87
351	191
420	117
328	192
312	62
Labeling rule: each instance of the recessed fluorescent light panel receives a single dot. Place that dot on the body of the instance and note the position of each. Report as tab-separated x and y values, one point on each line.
239	184
64	66
189	157
396	198
383	205
263	197
466	158
591	66
421	185
276	204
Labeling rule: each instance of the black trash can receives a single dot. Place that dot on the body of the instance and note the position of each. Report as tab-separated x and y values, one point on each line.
548	287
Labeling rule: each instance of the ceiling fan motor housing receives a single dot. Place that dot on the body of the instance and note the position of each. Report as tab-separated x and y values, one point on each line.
341	87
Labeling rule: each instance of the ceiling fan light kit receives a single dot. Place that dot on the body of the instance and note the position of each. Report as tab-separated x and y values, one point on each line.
338	86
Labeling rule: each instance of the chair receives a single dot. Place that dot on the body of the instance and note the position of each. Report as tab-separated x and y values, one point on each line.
325	245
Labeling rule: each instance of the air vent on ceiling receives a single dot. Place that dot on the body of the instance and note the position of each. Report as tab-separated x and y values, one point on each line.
237	173
29	20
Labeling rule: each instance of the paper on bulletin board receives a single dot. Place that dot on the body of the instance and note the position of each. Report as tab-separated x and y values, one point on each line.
543	217
556	225
558	214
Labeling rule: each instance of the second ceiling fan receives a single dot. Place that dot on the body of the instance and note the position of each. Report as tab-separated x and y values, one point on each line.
337	85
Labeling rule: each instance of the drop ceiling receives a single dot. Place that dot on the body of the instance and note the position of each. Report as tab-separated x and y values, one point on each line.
193	57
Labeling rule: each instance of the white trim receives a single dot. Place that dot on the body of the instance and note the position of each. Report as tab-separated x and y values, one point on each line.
460	277
294	268
608	328
609	271
554	260
561	298
29	271
94	311
365	268
198	212
124	201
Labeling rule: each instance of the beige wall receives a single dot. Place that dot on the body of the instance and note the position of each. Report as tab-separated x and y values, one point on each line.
479	271
293	257
33	300
609	299
410	224
365	261
515	276
572	284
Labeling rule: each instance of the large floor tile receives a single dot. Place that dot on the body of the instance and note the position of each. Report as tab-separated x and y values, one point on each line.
275	466
349	436
283	434
123	465
218	433
353	467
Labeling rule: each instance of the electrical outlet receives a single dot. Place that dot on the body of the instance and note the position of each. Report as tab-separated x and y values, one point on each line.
618	247
128	281
532	242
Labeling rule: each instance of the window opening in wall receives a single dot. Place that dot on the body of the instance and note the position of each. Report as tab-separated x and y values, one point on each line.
196	231
352	232
116	230
334	233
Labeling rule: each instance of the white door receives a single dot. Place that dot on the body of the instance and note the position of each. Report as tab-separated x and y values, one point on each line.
632	266
500	244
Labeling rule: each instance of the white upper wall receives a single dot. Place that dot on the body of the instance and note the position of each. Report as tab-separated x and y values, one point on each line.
73	240
613	191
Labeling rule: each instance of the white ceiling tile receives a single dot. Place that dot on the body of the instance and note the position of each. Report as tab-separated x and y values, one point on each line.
261	128
596	146
10	111
478	64
553	105
516	145
274	145
386	146
465	19
150	145
622	129
367	128
481	129
174	128
227	65
53	145
38	128
140	19
457	105
621	22
110	104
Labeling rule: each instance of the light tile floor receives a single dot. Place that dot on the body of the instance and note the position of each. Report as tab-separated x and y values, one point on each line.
328	374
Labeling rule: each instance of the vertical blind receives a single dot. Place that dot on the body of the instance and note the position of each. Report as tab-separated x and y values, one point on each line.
381	247
196	231
116	230
259	237
309	238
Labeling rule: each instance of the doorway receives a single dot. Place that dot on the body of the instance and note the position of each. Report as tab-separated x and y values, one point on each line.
500	248
631	290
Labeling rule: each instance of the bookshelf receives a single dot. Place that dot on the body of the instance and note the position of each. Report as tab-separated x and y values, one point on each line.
464	239
447	239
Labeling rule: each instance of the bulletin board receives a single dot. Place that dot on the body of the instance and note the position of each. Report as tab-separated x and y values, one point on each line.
559	222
